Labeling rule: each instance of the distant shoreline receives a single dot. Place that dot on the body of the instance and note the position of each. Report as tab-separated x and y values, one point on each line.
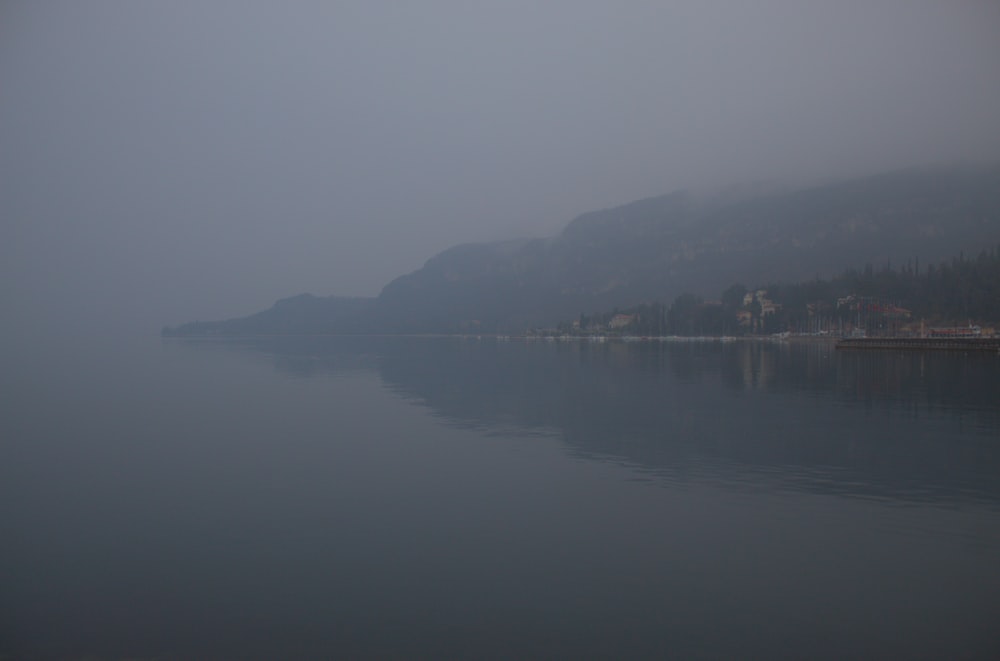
921	343
990	344
804	339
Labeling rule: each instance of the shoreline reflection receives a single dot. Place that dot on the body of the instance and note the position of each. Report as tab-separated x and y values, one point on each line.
903	427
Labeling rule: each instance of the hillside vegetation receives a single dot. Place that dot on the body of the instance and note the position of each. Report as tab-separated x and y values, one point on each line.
658	248
960	291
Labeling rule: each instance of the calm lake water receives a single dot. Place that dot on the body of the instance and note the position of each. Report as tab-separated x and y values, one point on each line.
441	498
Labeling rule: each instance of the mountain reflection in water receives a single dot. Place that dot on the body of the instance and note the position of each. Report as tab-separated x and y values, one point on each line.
902	426
392	497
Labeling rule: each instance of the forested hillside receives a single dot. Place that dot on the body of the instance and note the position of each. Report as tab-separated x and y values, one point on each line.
960	291
658	248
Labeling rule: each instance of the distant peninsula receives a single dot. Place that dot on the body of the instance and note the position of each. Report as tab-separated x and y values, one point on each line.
661	248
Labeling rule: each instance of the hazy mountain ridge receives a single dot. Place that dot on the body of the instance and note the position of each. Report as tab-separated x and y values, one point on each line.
302	314
657	248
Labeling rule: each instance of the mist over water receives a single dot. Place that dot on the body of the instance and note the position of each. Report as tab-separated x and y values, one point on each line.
373	497
322	497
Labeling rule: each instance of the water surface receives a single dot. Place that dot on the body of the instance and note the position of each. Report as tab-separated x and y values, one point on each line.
444	498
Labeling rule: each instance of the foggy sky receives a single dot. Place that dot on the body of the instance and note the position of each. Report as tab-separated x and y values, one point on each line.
162	162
